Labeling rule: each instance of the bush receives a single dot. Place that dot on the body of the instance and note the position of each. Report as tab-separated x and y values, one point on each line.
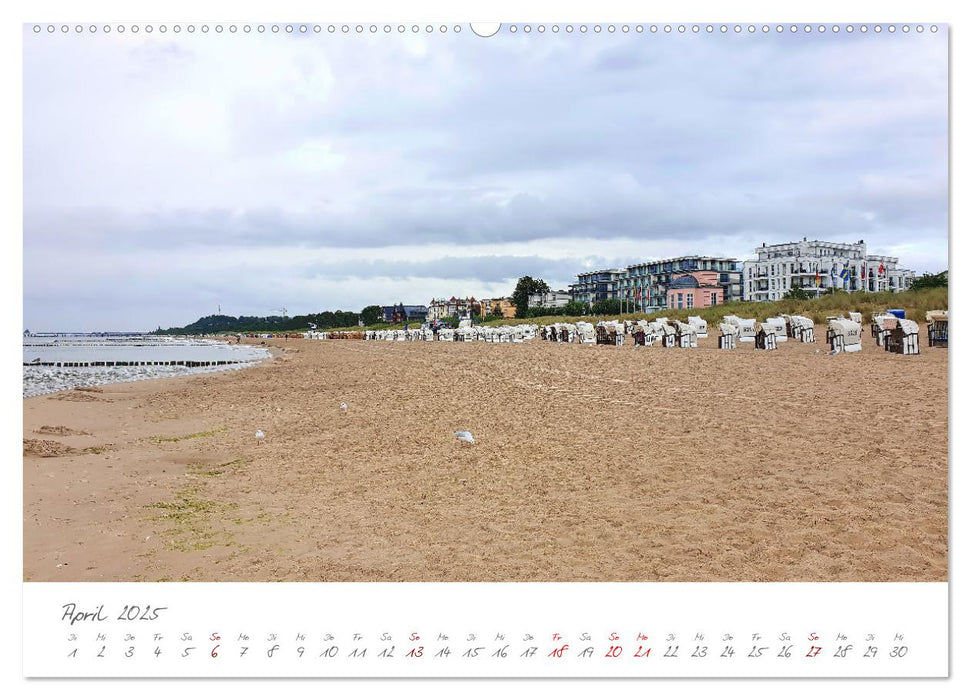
607	307
929	281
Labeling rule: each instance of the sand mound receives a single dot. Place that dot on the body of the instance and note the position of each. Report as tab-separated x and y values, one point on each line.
59	430
46	448
76	395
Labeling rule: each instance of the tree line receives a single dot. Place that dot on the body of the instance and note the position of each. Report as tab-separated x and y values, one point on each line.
264	324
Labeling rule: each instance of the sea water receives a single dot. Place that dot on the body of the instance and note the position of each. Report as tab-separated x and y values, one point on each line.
131	348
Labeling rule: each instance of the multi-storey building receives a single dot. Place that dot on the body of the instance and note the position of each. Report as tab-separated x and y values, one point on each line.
815	266
401	313
550	300
596	286
644	286
441	309
502	307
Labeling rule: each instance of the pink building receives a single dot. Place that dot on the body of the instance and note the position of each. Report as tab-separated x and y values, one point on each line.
696	291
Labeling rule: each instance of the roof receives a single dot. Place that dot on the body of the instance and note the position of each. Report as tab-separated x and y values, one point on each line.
687	281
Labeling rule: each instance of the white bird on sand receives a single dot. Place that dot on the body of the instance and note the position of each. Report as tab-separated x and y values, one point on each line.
343	405
259	436
465	436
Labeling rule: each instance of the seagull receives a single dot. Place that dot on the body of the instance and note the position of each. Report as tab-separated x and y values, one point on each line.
465	436
343	405
259	436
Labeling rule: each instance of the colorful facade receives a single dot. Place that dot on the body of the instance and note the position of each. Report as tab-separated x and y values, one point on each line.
697	291
644	286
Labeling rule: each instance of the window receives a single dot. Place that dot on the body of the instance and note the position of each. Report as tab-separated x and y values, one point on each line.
691	300
714	298
680	300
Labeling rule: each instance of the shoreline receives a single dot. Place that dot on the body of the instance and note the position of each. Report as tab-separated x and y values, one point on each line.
194	371
590	463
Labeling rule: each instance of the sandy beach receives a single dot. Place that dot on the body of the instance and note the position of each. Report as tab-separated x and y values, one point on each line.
591	463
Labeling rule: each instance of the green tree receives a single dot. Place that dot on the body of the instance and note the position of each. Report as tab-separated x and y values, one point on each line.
798	293
606	307
371	315
524	287
927	281
575	308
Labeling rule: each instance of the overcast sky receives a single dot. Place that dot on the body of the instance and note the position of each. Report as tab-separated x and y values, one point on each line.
167	175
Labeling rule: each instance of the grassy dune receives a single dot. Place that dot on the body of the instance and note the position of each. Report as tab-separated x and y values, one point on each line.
916	304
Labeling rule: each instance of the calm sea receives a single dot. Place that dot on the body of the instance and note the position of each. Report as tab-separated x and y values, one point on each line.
45	379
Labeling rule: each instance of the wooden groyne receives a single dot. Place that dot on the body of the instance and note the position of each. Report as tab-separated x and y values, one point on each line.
139	363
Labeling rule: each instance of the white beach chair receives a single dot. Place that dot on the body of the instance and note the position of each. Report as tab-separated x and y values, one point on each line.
685	335
778	326
844	335
765	337
729	336
700	325
802	329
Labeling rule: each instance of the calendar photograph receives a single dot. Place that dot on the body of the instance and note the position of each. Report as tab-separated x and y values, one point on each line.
452	303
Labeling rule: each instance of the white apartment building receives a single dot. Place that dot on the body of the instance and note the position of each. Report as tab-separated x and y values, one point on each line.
550	300
818	265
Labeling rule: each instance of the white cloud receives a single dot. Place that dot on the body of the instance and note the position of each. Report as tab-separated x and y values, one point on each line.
163	173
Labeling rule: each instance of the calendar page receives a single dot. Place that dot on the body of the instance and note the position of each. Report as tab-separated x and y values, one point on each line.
429	348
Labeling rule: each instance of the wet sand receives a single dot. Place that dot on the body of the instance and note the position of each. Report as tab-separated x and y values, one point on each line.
591	463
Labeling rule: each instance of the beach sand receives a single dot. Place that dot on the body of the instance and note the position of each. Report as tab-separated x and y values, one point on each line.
591	463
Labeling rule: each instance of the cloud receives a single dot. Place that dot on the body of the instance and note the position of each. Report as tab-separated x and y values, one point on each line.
457	161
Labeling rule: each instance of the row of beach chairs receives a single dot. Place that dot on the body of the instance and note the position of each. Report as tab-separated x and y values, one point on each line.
843	334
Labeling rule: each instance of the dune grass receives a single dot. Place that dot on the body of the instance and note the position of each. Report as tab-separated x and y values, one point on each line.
914	303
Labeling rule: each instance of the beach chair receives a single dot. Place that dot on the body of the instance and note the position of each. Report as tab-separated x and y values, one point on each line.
700	325
777	325
937	328
765	337
617	332
880	326
602	335
685	335
802	329
903	338
746	328
844	335
668	336
586	333
729	336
